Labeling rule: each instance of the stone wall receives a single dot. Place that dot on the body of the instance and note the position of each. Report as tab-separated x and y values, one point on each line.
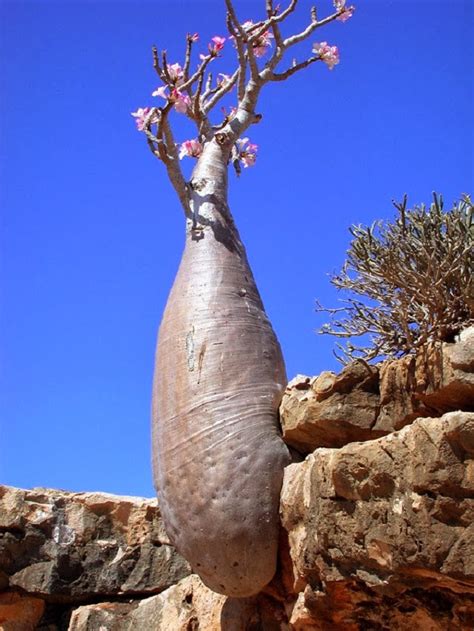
377	522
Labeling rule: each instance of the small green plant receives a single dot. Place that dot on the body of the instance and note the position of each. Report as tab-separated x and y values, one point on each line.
409	281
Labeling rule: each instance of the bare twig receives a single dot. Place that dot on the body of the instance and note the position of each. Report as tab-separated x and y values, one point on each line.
166	73
299	37
156	62
197	98
187	59
242	58
281	76
198	74
242	38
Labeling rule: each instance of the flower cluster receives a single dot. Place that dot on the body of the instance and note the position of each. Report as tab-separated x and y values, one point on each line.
174	80
180	100
175	73
247	152
142	116
328	54
346	12
262	43
190	148
175	77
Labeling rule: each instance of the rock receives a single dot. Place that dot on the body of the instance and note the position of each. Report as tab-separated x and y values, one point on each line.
348	607
19	612
382	533
366	402
187	606
438	379
332	410
66	547
448	372
378	522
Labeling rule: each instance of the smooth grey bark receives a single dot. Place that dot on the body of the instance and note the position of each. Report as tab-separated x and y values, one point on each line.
218	456
217	452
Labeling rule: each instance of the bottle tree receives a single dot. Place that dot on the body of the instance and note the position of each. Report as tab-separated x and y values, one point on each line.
218	456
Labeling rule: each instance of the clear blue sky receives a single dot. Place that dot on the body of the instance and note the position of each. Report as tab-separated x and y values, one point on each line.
91	232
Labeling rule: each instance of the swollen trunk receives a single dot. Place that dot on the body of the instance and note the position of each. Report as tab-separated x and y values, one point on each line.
217	452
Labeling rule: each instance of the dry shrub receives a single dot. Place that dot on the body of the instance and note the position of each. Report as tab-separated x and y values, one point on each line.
409	281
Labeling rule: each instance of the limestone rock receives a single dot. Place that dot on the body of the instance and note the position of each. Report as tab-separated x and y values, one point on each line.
378	522
187	606
383	532
331	410
366	402
65	546
438	379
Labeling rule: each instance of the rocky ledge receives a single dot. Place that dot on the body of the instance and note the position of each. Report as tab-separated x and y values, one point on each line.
365	401
61	549
377	522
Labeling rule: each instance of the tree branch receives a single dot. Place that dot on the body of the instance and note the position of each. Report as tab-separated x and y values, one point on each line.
242	37
156	62
240	56
198	74
197	111
166	74
281	76
165	150
220	92
249	79
187	58
274	25
299	37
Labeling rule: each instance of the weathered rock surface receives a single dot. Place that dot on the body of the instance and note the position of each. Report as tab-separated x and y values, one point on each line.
366	402
382	533
331	410
66	547
378	522
187	606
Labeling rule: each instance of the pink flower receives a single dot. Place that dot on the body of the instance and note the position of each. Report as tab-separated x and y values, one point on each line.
175	72
141	116
181	101
346	12
247	152
262	43
161	91
190	148
329	54
218	44
194	38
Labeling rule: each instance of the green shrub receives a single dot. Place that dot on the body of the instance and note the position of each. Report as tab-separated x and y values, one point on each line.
409	281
